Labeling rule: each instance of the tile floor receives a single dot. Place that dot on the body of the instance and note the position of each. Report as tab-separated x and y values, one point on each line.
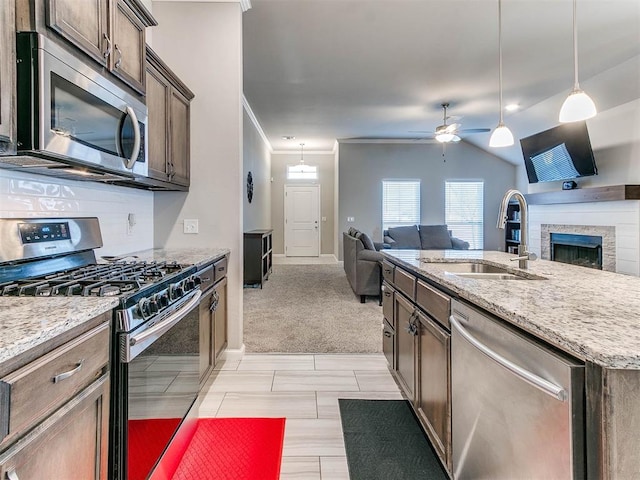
304	389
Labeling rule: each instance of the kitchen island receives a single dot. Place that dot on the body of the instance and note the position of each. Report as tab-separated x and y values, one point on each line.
589	314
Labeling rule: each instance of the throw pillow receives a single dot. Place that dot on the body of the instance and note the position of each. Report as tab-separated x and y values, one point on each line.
434	237
405	237
367	242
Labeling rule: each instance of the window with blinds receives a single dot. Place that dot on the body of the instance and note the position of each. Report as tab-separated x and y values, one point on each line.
400	203
464	211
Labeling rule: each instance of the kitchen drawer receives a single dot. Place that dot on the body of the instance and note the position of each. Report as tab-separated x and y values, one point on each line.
387	271
405	282
32	392
207	277
434	302
389	344
387	303
220	269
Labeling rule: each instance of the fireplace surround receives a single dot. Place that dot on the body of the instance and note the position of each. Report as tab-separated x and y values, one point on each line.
607	234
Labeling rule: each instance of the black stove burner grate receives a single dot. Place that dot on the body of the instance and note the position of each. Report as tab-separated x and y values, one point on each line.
94	280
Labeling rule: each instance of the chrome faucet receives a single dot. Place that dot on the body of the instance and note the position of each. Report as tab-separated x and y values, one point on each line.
523	251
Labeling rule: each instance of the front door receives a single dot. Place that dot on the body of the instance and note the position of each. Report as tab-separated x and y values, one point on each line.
301	220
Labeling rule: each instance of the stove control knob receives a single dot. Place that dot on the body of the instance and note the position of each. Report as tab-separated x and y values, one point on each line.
162	299
175	291
153	306
143	308
197	280
190	283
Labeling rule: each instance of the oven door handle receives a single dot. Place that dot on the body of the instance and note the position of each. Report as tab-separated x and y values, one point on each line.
168	322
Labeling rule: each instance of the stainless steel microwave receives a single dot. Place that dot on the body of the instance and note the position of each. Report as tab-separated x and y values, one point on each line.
72	118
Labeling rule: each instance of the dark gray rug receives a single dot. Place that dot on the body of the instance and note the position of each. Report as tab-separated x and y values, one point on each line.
384	441
310	309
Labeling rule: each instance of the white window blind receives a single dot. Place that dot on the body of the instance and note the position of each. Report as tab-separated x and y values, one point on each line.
464	211
400	203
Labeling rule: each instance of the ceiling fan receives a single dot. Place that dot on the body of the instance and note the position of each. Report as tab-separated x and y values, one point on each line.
447	133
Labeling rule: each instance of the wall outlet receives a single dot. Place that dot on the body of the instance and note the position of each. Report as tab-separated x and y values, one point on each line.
351	219
191	226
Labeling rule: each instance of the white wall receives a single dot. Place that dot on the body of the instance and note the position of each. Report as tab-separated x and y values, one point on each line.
257	160
34	196
202	44
326	179
364	166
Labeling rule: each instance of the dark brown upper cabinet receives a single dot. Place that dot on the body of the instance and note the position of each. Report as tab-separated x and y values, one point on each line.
168	104
112	32
7	79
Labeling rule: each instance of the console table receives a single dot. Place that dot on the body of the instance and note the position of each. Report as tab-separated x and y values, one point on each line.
258	257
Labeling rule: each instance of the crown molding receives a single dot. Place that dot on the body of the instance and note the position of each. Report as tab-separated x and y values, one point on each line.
306	152
430	141
244	4
254	120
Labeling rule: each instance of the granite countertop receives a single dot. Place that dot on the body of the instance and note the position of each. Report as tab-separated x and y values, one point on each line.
187	256
26	322
589	313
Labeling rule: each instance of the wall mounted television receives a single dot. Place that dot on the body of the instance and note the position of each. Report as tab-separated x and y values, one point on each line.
560	153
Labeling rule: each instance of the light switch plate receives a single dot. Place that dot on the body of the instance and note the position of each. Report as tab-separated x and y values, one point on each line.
191	226
351	219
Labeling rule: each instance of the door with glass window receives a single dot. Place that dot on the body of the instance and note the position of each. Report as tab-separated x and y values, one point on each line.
301	220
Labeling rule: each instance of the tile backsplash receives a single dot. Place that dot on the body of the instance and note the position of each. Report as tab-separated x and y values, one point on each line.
27	195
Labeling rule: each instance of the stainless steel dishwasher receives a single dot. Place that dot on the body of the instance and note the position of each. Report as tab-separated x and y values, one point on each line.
517	406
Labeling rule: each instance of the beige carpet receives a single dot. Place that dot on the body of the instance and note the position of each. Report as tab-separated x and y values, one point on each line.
310	309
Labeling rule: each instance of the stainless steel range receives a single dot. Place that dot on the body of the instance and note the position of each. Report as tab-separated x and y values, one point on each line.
155	344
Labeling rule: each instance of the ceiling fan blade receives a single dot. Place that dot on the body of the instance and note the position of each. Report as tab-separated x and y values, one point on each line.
452	128
474	130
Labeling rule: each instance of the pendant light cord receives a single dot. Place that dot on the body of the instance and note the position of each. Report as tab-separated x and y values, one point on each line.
500	54
302	154
576	86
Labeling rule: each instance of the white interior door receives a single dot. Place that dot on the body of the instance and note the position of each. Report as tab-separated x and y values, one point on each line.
301	220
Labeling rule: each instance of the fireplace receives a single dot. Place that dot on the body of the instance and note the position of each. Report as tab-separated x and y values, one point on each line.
592	246
582	250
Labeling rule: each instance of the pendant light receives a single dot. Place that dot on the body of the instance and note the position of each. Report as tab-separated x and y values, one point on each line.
302	154
578	105
501	136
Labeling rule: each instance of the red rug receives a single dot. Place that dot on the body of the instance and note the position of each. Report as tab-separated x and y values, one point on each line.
226	449
147	439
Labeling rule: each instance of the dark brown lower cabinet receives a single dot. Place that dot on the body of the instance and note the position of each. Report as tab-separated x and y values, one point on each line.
213	327
434	392
407	344
71	443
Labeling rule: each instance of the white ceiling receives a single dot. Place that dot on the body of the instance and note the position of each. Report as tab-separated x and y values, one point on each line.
323	70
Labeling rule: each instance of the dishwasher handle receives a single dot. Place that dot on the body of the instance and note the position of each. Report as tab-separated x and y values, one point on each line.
531	378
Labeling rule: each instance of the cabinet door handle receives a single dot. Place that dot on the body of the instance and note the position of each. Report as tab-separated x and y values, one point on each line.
387	334
119	60
73	371
107	52
12	475
215	299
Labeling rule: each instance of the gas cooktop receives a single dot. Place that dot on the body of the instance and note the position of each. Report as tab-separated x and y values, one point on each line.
123	277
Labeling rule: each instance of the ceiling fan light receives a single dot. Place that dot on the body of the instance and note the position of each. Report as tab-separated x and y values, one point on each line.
501	136
445	137
578	106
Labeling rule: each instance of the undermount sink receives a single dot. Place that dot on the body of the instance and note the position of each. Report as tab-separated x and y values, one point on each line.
483	271
491	276
470	267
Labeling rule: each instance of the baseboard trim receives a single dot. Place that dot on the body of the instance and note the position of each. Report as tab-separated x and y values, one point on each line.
233	353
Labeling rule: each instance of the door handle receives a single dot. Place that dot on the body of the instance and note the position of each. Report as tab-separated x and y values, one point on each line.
136	137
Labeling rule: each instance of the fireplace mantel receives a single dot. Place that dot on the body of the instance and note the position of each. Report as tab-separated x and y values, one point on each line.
584	195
